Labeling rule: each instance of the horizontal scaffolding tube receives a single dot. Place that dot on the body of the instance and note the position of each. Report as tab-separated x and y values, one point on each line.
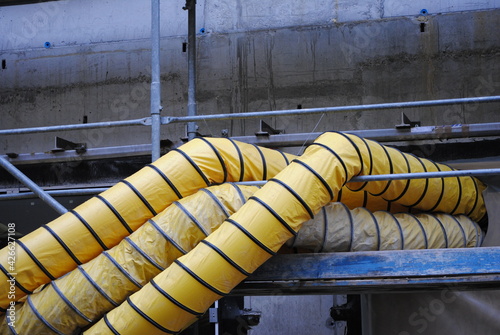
400	176
32	186
309	111
108	124
168	119
57	193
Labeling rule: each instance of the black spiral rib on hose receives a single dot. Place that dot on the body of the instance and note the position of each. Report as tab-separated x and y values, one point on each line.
426	183
319	177
192	218
166	237
476	200
148	319
69	303
174	301
111	328
10	277
401	234
115	212
296	195
42	319
199	279
194	165
408	181
377	228
140	196
391	167
424	233
315	173
273	213
461	230
226	257
219	157
264	164
35	260
144	254
217	201
167	180
64	245
361	162
97	287
251	237
90	229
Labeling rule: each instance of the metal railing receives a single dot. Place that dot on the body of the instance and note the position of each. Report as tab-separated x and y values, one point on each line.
155	120
147	121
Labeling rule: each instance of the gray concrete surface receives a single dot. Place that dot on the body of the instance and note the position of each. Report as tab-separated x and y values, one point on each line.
251	58
279	315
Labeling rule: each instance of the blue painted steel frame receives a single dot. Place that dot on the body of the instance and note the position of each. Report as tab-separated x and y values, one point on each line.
376	271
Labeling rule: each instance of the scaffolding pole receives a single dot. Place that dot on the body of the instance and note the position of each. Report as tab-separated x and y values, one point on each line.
155	80
192	107
32	186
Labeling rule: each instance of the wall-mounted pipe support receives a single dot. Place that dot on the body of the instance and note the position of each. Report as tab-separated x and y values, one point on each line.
32	186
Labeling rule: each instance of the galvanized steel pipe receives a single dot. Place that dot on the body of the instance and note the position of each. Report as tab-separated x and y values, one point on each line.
312	111
32	186
155	80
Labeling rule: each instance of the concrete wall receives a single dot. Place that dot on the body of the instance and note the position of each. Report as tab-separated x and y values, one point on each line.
251	58
447	311
280	315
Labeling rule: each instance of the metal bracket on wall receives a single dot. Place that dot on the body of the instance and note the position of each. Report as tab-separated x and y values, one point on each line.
189	4
406	123
266	130
62	145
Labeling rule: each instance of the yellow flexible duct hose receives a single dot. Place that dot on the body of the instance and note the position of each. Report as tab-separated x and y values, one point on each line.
85	294
103	221
171	301
336	228
73	301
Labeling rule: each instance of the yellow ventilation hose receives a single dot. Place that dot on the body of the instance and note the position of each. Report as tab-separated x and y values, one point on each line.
86	293
336	228
275	213
103	221
75	301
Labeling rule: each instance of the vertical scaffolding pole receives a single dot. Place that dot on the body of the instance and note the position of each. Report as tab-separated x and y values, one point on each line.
32	186
192	107
155	80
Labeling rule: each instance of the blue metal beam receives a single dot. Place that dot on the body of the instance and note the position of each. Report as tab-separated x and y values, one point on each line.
376	271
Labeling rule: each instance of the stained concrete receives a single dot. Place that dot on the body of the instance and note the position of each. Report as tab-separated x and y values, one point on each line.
251	57
253	60
279	315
